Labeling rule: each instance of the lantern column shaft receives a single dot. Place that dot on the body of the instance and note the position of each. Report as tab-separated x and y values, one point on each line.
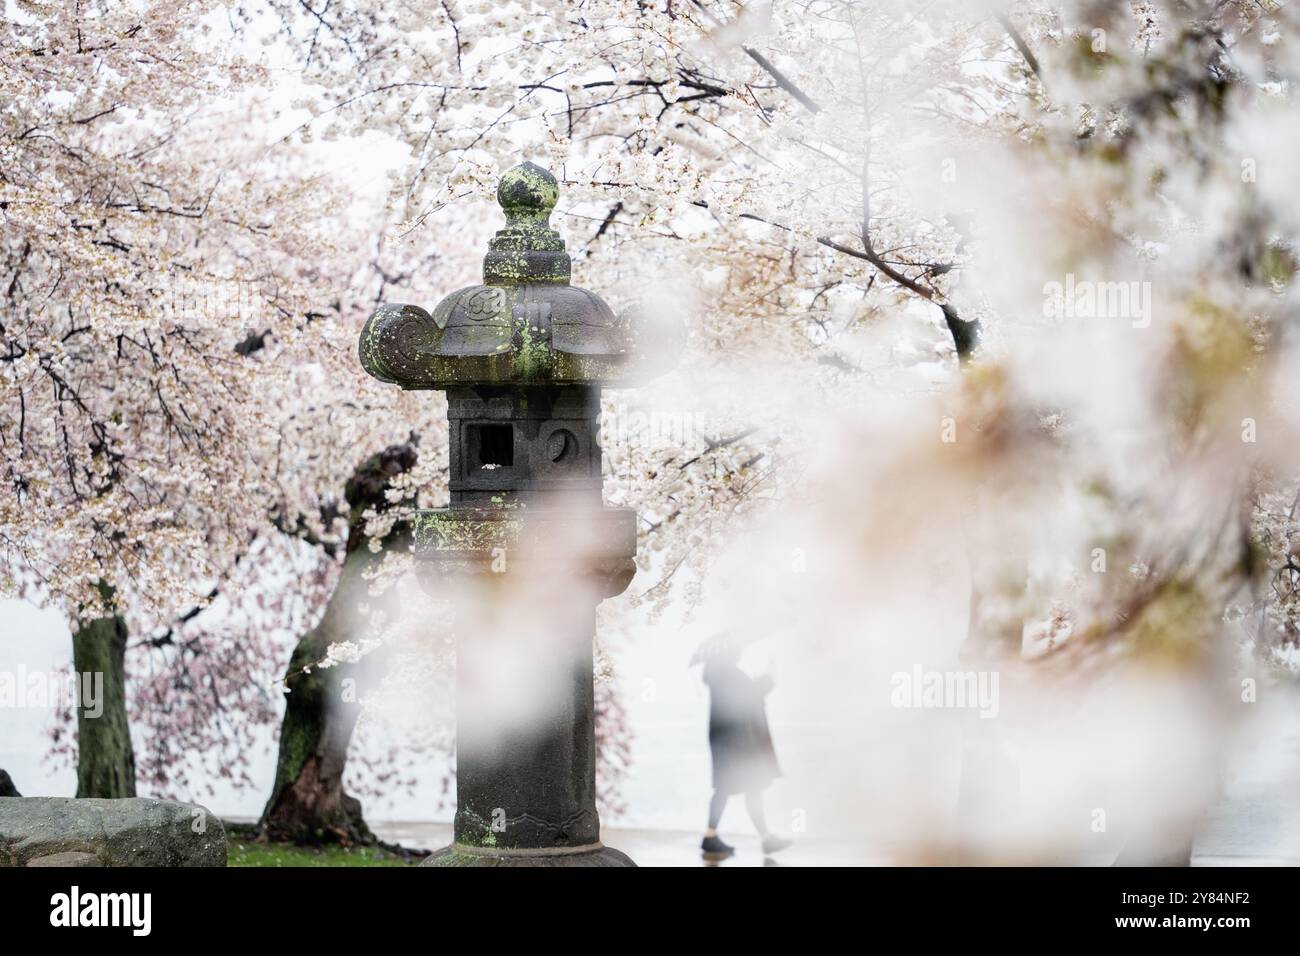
526	767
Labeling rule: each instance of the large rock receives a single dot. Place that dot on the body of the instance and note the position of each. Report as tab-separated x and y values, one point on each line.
60	831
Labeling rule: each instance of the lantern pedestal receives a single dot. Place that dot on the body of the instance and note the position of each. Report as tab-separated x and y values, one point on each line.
526	771
594	855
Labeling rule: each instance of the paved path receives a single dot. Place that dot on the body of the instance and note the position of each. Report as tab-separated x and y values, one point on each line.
1256	823
657	847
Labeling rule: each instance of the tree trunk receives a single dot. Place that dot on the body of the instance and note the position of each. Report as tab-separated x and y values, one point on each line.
105	759
308	803
7	788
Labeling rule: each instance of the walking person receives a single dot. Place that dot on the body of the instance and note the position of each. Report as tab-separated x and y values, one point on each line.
744	760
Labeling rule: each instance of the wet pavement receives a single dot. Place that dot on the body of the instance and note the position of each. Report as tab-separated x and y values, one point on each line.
1255	823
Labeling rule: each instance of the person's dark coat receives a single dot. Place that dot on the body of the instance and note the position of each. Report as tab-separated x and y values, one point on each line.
743	757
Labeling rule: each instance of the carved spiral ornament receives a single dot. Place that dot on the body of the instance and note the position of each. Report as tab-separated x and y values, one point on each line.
393	341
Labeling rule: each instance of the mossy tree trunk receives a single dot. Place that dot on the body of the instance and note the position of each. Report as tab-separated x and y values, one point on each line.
308	802
105	758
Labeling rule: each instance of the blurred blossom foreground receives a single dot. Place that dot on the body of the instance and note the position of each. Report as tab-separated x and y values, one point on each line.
1252	822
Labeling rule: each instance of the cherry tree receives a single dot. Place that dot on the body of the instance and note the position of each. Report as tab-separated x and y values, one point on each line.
166	298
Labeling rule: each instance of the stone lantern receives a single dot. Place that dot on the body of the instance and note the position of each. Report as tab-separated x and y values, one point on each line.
522	359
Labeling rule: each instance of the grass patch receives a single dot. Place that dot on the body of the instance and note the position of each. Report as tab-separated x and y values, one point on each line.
247	853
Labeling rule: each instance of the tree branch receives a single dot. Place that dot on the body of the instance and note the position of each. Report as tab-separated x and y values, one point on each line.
1018	39
782	80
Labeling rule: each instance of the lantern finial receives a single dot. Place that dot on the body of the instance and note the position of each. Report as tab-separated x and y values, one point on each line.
527	249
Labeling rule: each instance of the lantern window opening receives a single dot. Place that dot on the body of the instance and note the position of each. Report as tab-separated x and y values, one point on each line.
494	445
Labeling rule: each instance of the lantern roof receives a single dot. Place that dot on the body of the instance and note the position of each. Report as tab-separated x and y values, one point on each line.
525	324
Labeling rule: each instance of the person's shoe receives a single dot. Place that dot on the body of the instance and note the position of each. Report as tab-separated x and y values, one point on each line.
774	844
715	849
